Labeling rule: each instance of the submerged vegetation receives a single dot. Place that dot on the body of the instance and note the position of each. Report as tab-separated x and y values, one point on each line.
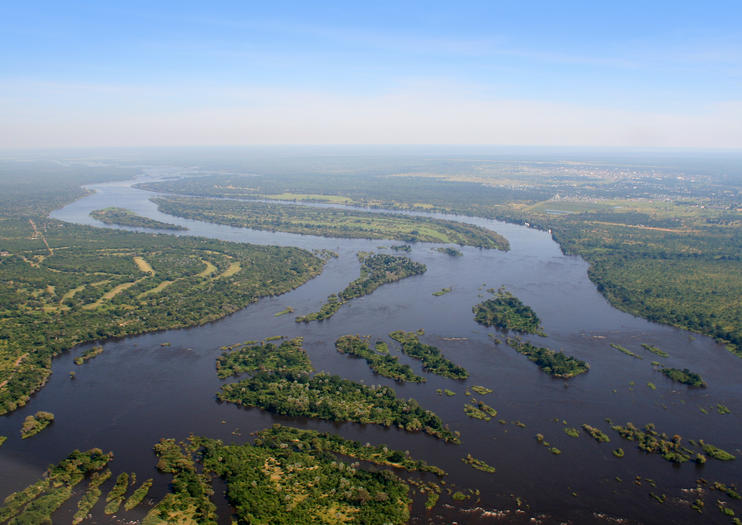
556	364
431	357
507	313
124	217
625	350
478	464
37	502
670	448
33	424
380	362
376	270
654	350
330	222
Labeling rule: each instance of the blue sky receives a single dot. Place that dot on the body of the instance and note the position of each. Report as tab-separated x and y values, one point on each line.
172	73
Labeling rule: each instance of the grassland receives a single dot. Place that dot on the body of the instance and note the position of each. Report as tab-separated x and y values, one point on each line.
330	222
62	285
124	217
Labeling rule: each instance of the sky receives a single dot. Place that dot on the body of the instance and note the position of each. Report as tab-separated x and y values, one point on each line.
557	73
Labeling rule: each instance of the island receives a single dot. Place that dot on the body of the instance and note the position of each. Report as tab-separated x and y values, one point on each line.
432	359
507	313
124	217
380	361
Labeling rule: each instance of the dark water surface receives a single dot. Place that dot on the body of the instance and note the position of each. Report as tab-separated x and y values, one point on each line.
137	391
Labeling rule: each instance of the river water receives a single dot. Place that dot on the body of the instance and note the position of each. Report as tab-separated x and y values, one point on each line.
138	391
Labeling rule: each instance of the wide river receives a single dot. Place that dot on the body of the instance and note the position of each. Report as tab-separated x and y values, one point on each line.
138	391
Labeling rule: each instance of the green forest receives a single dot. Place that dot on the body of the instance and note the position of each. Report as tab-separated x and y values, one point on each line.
507	313
62	285
251	357
124	217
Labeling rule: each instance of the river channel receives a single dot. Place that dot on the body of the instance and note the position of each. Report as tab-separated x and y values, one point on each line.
138	391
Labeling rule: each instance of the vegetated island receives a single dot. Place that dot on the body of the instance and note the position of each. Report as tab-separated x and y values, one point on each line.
37	502
684	376
507	313
376	270
293	392
87	355
33	424
381	363
478	464
64	285
655	350
453	252
330	222
124	217
625	350
286	476
442	291
252	357
672	448
556	364
432	359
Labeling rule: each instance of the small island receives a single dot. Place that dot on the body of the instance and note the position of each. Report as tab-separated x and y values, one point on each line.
431	357
87	355
684	376
380	362
507	313
34	424
376	269
556	364
124	217
250	357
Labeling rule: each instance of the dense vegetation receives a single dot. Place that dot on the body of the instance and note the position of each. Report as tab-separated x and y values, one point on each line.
62	285
333	398
479	410
282	384
33	424
282	485
251	357
556	364
37	502
330	222
315	442
431	357
380	362
376	269
91	496
189	501
684	376
124	217
507	313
